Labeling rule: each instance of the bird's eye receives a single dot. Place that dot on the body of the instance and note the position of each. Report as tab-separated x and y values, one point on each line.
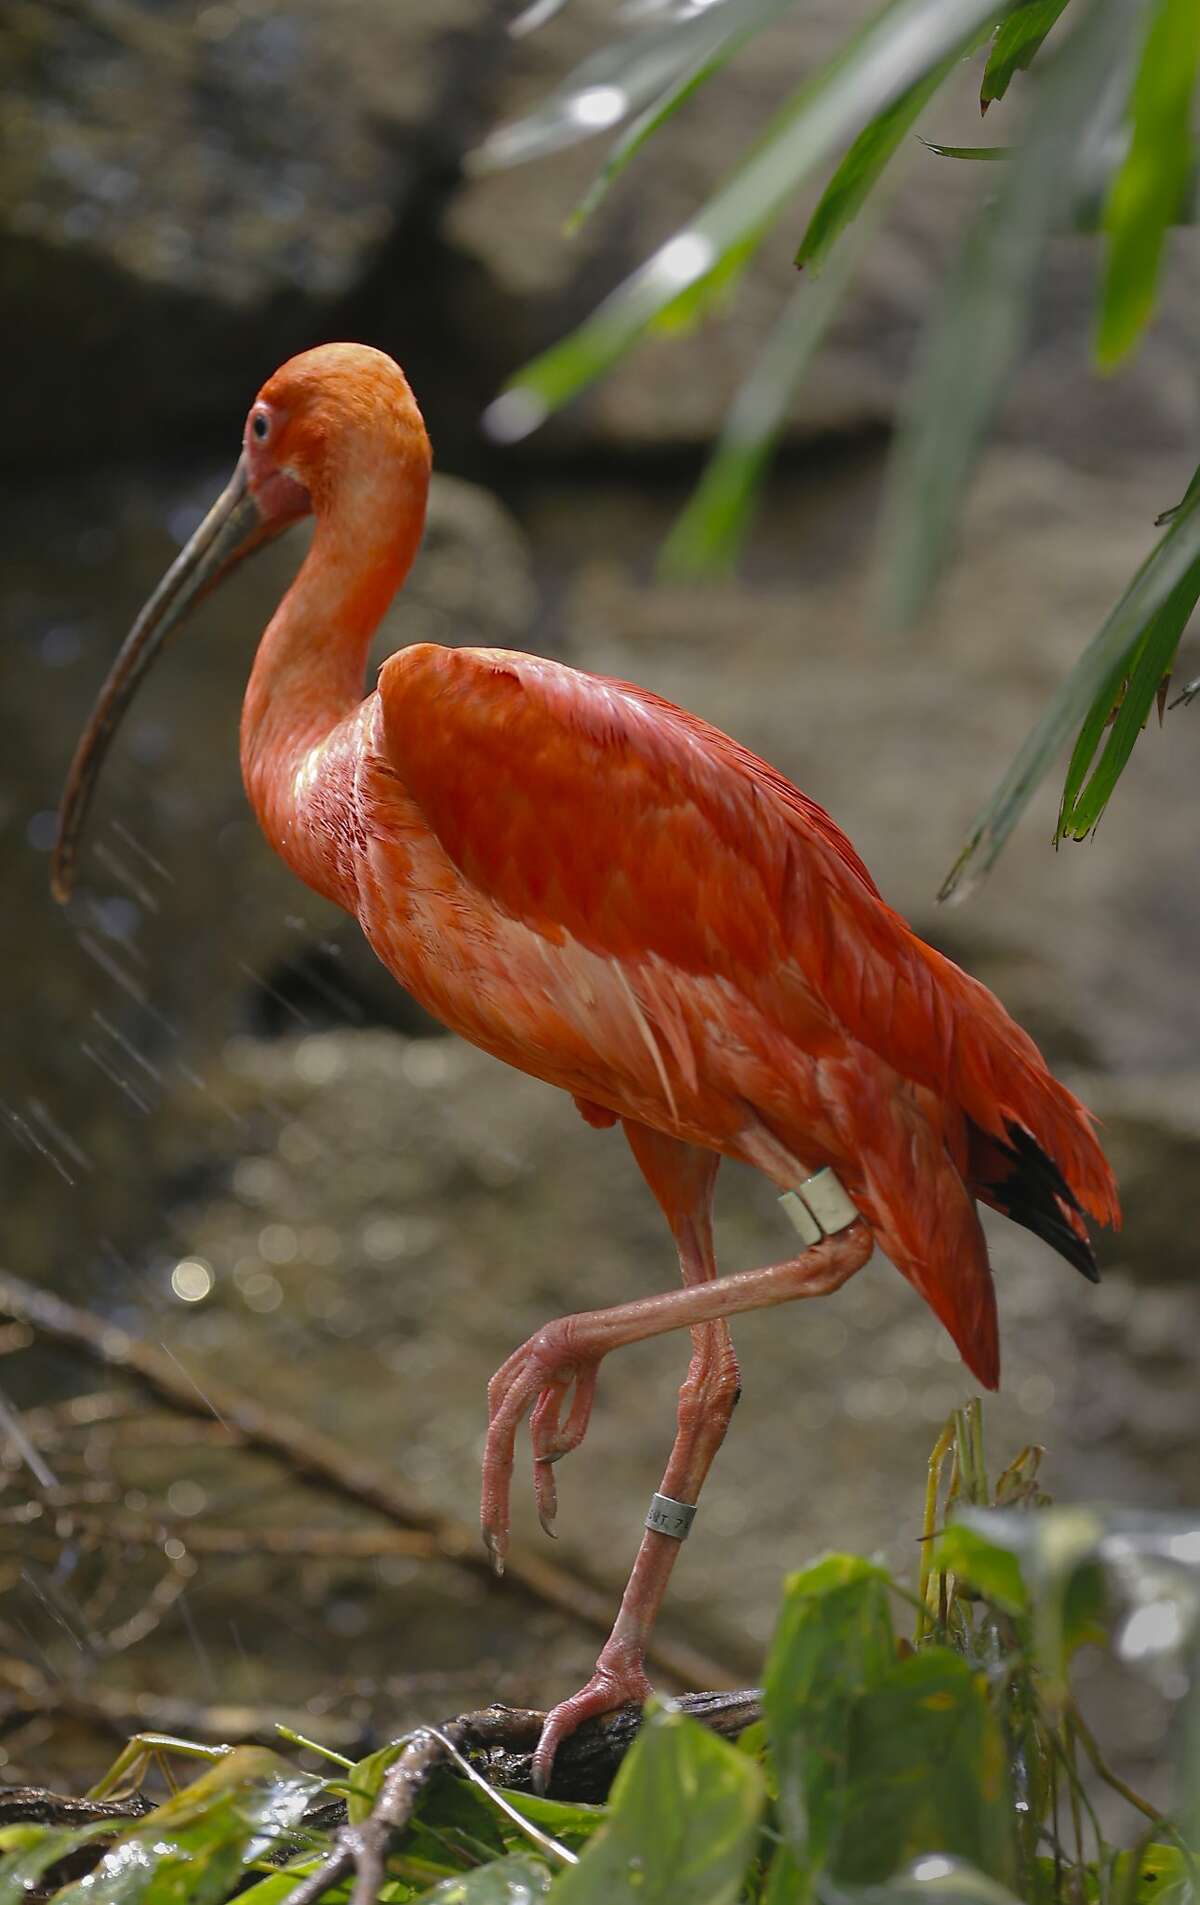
260	426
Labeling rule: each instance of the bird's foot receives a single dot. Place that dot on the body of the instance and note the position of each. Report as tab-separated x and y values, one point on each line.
538	1376
620	1677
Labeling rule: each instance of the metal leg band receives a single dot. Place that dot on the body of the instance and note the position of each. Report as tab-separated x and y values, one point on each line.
667	1517
819	1207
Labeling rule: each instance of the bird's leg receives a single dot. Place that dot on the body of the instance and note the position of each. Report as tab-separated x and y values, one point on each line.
681	1177
576	1345
620	1674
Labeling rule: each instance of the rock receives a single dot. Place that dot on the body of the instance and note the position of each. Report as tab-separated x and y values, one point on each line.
675	388
187	194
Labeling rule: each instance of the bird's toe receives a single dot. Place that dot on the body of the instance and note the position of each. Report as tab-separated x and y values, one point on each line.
615	1683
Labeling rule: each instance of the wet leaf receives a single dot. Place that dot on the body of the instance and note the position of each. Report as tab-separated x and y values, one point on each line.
532	17
969	152
29	1851
642	129
1149	190
991	1570
1057	1550
1164	1876
622	77
1190	495
833	1640
195	1846
571	1824
787	1881
879	62
683	1820
279	1887
862	167
516	1880
455	1826
933	1879
364	1780
1132	689
709	534
21	1838
1164	569
1015	46
926	1772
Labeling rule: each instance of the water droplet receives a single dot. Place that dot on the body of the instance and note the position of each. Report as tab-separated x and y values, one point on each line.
684	259
1036	1394
277	1243
186	1497
933	1867
261	1292
318	1060
598	106
192	1280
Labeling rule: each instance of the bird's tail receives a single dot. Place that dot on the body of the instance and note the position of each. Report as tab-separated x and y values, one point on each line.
1034	1152
1016	1176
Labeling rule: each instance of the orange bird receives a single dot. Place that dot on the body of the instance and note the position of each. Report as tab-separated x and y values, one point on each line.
610	894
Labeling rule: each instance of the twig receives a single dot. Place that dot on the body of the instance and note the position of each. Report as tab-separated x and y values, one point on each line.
198	1537
362	1849
120	1714
1087	1740
324	1463
933	1482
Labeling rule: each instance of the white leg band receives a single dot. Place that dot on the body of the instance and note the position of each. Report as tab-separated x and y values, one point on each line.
819	1207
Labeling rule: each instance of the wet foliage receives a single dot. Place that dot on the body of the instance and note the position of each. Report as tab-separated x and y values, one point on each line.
911	1746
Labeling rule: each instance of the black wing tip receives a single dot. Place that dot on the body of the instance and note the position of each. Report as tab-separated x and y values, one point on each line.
1037	1196
1030	1158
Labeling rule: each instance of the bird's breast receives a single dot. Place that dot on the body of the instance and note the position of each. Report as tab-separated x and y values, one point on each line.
638	1039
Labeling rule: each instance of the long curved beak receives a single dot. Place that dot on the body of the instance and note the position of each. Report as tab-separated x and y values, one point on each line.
233	528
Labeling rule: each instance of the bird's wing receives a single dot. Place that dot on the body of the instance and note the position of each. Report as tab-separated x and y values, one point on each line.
591	808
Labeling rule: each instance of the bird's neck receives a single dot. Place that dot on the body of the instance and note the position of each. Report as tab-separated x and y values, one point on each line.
297	736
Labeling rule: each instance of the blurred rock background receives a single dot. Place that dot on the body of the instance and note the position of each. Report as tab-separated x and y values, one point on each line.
202	1064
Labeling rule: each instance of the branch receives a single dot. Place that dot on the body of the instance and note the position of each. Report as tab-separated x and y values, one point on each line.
199	1537
29	1805
326	1465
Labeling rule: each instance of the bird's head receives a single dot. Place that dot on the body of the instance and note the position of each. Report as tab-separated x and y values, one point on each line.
335	429
328	422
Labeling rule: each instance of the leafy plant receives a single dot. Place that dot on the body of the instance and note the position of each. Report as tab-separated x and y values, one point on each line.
954	1767
1106	142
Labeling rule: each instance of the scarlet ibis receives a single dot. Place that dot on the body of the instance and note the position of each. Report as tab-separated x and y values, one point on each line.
610	894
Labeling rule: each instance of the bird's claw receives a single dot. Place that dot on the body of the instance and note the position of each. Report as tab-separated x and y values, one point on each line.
495	1541
541	1375
546	1495
620	1677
